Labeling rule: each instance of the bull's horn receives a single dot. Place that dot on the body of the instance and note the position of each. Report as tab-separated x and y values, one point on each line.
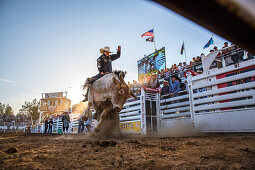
116	82
133	95
121	78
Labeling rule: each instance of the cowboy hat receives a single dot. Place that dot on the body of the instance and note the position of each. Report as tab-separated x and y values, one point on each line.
165	81
105	49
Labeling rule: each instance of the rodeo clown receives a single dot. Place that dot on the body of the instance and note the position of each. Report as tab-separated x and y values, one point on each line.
104	65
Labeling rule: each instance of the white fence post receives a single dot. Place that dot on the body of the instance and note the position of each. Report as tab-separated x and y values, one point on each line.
158	111
191	99
57	124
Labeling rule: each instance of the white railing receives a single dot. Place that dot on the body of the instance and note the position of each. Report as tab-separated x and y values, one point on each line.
230	108
174	107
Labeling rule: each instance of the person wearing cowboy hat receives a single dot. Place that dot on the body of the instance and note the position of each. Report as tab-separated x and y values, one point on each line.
165	89
104	65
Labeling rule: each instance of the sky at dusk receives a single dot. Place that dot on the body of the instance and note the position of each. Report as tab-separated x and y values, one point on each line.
53	45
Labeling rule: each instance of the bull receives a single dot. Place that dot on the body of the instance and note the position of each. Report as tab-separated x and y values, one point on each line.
107	95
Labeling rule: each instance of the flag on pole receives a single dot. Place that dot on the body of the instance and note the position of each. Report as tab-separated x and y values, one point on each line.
182	49
148	33
209	43
150	39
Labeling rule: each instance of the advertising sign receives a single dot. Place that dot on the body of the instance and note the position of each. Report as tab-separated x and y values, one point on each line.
52	108
143	118
131	127
151	63
54	95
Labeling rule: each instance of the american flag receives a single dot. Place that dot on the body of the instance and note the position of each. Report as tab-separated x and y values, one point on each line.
148	33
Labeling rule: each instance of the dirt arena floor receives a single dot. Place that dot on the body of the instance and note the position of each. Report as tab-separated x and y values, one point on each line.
207	151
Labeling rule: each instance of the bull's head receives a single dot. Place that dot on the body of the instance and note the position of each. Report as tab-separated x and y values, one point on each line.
121	93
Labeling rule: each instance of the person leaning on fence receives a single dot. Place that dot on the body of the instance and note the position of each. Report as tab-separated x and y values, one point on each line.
66	121
174	86
165	89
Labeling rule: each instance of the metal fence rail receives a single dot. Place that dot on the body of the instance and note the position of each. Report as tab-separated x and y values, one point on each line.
224	108
175	107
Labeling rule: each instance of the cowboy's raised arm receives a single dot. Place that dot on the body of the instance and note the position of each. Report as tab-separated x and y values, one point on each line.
116	56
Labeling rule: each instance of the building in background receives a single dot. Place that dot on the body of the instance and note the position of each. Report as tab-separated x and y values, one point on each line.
53	104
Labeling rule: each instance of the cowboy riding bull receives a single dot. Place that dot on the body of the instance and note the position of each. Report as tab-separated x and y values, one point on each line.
107	92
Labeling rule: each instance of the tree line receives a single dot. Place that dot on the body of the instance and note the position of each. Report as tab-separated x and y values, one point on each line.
6	110
29	108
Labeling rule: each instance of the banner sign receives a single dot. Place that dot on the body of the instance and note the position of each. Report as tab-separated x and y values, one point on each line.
152	90
54	95
131	127
52	108
143	118
151	63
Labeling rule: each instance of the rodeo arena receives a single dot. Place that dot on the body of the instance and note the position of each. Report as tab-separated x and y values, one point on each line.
197	114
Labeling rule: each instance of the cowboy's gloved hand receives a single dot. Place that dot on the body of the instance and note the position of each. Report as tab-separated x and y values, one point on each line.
119	48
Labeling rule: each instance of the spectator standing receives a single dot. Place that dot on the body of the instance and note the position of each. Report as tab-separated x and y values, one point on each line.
174	86
50	125
162	74
182	85
173	71
88	124
218	59
46	124
215	48
154	83
186	85
225	48
225	45
180	69
199	60
66	121
184	66
165	89
81	124
168	73
194	61
225	51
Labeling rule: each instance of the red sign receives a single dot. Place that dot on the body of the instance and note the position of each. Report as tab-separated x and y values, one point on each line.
152	90
52	108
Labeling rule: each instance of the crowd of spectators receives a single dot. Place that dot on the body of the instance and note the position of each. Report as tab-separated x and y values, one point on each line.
232	55
172	80
174	77
12	120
